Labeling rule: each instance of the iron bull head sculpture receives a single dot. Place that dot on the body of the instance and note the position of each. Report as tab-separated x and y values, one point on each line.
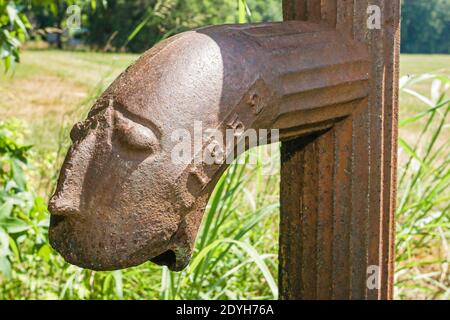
121	200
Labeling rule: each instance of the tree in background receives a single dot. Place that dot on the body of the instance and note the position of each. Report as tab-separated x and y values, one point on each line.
137	25
426	26
121	25
53	13
264	11
14	22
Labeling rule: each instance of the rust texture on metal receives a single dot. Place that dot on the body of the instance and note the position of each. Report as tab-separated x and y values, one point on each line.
338	186
121	200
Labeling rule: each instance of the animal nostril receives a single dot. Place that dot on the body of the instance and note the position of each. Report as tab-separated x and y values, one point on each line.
167	258
55	220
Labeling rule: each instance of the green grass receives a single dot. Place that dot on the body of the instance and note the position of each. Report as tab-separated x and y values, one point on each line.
416	64
236	253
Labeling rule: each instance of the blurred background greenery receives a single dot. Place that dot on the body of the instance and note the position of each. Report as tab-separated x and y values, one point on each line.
236	253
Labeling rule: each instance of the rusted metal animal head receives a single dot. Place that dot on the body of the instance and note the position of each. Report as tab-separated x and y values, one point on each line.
121	200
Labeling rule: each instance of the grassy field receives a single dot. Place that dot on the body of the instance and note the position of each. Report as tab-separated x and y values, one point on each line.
51	90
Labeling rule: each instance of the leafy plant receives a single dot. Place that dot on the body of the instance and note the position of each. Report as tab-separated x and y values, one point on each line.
22	216
13	32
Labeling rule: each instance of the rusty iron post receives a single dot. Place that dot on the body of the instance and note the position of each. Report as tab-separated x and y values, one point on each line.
338	187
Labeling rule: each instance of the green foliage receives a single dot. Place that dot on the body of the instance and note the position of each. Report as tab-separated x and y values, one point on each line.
423	214
13	32
425	26
23	218
137	25
264	11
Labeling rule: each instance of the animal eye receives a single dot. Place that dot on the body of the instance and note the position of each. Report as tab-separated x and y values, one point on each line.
134	135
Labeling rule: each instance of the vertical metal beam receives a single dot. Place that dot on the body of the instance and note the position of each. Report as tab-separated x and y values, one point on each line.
338	188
